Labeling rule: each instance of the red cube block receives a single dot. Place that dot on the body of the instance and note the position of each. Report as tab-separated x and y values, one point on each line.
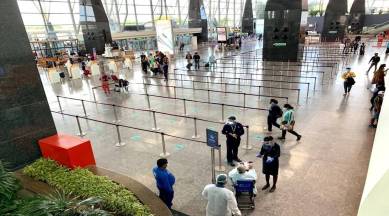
70	151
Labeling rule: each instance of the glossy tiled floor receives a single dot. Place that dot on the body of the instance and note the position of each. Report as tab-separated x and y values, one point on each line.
323	174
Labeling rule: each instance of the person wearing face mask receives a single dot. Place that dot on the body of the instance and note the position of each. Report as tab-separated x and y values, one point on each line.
270	152
233	131
275	112
221	201
288	122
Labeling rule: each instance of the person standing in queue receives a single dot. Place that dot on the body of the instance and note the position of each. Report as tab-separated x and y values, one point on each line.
165	181
233	131
196	58
188	58
270	152
362	49
287	124
221	201
275	112
349	81
165	68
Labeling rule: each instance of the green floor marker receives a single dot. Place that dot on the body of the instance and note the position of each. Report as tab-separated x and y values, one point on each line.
258	138
136	137
180	147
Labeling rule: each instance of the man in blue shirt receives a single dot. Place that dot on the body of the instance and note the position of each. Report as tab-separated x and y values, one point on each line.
165	181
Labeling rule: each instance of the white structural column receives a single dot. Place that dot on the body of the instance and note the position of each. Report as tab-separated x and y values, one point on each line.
227	7
136	15
179	12
117	15
234	13
218	8
152	13
73	20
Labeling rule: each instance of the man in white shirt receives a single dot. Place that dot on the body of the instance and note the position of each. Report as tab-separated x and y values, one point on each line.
221	201
243	172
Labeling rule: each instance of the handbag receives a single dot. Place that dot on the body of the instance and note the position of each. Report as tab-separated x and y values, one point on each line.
350	80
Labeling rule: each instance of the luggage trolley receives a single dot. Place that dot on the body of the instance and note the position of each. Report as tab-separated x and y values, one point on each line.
244	194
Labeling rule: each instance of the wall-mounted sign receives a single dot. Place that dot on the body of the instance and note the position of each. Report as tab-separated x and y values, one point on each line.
279	44
165	39
221	34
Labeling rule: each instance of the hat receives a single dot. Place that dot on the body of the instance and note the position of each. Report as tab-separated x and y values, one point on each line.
233	118
381	93
221	179
348	68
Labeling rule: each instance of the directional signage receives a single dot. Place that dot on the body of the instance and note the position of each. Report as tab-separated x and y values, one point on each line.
212	138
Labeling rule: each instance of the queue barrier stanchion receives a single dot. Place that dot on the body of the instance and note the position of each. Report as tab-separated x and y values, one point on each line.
164	154
145	87
94	95
247	146
115	114
148	101
83	107
59	104
184	100
222	120
220	167
155	128
119	143
175	92
195	136
209	96
80	133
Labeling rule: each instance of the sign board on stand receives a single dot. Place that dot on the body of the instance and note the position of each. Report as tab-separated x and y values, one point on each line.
221	34
194	43
213	142
165	39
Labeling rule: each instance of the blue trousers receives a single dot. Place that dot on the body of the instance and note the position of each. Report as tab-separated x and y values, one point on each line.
166	197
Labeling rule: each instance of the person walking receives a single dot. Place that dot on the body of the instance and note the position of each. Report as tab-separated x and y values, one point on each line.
105	84
288	122
373	62
144	62
379	76
376	109
362	49
220	200
349	81
270	152
355	46
233	131
188	58
275	112
165	181
196	58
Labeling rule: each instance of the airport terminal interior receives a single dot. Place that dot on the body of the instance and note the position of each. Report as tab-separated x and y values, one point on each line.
194	107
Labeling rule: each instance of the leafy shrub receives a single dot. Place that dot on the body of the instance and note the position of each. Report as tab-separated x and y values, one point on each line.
83	183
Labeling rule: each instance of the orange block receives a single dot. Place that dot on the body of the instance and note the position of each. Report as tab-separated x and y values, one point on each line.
70	151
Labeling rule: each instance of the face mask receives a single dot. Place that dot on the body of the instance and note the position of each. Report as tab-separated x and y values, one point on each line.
285	109
230	122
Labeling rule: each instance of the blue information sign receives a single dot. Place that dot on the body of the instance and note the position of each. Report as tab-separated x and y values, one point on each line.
212	138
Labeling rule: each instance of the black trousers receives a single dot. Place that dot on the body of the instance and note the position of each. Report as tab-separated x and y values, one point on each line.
197	64
166	197
271	120
232	150
290	131
347	87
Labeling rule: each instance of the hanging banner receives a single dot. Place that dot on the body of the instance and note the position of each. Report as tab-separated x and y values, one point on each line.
165	39
221	34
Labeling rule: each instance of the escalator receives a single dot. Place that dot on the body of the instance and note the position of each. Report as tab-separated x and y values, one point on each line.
375	29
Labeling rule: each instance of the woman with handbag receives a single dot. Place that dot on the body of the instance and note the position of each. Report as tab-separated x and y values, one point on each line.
349	81
379	76
288	122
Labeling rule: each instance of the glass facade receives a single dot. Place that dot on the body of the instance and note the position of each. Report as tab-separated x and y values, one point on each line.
60	18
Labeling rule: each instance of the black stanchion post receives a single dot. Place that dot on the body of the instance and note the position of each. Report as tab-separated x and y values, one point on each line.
119	143
175	92
209	96
148	101
81	134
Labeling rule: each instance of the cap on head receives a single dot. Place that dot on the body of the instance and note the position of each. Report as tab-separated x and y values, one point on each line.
232	118
348	68
221	179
